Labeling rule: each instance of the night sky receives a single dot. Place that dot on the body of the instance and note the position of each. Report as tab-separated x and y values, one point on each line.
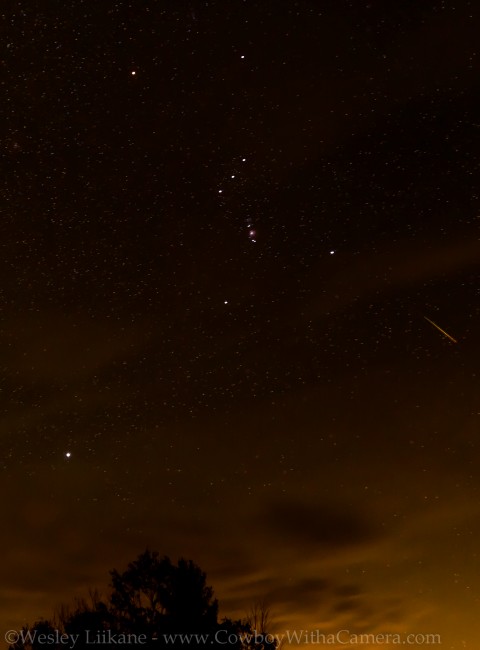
224	226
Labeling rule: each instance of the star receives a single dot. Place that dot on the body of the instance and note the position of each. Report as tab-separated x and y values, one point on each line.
68	454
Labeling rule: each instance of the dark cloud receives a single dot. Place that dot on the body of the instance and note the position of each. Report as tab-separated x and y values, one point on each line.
321	525
308	592
346	606
348	591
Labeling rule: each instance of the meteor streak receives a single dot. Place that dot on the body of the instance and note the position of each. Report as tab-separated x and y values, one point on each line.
440	330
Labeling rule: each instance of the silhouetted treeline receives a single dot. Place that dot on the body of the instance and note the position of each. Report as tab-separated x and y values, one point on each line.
153	604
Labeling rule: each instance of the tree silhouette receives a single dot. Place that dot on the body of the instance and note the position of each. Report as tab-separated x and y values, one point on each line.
157	600
258	621
35	637
189	602
139	592
95	617
258	618
154	596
